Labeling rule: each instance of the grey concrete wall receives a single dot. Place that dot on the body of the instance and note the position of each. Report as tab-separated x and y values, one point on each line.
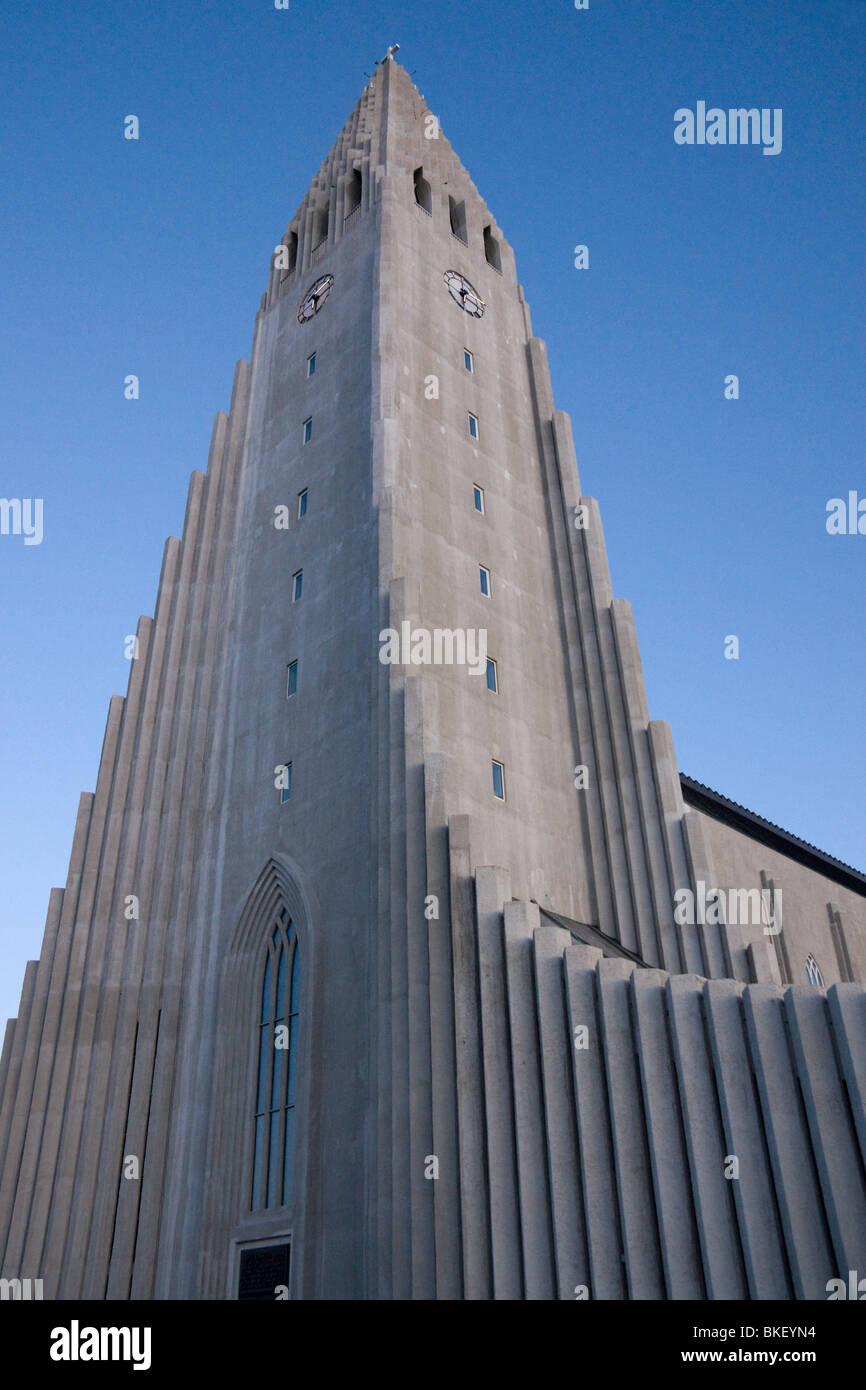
819	916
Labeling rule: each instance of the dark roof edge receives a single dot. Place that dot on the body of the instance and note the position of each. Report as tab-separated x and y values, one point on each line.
587	935
731	813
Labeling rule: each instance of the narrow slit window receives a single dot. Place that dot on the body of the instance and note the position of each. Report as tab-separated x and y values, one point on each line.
291	244
311	364
354	190
320	228
491	250
478	498
492	678
302	503
457	214
498	780
423	191
308	430
484	577
286	784
292	678
297	585
473	426
468	360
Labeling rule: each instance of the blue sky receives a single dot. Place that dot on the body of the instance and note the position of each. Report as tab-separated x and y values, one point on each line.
151	256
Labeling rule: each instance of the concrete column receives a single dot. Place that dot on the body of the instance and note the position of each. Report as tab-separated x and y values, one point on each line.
166	1247
474	1193
724	1272
763	965
701	950
592	587
810	1255
10	1061
834	1140
158	870
780	945
15	1117
656	929
93	1227
107	919
847	1005
447	1187
493	891
595	1143
23	1066
560	1125
670	802
539	1271
754	1196
47	1106
8	1044
840	943
631	1155
677	1226
421	1147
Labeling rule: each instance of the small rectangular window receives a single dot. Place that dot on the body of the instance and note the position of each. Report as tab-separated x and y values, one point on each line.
308	430
498	780
286	784
492	683
484	576
311	364
292	678
468	360
473	426
478	497
297	584
302	504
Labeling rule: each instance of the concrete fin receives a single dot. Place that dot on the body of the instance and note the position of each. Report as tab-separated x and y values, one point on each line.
751	1185
493	891
539	1264
677	1224
566	1197
724	1272
595	1143
798	1194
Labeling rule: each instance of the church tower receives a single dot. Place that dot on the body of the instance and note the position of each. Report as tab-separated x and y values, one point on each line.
367	980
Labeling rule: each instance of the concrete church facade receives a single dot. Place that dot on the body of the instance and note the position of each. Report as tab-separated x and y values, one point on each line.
366	981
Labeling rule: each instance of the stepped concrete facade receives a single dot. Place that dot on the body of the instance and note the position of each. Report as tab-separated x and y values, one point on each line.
376	980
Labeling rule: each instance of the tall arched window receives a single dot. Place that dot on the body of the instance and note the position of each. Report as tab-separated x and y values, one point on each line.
813	972
276	1077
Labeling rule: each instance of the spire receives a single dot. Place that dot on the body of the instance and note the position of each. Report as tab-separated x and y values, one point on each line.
390	130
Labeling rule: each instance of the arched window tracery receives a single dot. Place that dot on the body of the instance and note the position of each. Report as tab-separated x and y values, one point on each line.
276	1072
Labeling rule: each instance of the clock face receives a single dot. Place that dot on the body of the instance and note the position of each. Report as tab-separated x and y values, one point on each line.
464	294
314	298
